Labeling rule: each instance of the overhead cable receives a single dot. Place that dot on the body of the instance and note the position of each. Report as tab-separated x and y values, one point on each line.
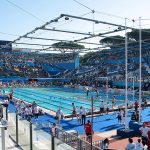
27	12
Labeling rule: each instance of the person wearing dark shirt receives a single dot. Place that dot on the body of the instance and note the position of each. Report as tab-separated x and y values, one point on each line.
136	105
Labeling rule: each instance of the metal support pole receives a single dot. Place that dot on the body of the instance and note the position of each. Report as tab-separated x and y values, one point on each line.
92	110
91	121
133	94
3	138
92	96
126	75
140	37
133	89
107	89
17	129
53	143
79	144
31	140
7	113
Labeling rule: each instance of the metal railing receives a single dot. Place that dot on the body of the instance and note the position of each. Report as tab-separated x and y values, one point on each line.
29	136
71	138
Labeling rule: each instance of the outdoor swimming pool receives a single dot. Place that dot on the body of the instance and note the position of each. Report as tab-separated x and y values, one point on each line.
61	97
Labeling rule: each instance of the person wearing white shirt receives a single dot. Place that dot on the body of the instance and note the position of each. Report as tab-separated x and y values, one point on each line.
144	131
6	103
123	115
26	112
59	115
139	145
36	112
84	112
79	114
53	129
131	145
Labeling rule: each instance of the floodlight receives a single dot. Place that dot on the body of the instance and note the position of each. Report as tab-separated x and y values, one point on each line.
119	28
56	20
66	18
96	22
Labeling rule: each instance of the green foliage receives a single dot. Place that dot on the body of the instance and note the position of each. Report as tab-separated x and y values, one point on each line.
134	35
113	40
84	58
67	45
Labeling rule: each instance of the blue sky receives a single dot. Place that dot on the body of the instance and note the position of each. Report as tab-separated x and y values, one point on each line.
18	22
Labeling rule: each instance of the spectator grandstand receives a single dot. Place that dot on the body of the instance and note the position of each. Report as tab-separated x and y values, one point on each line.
109	62
33	65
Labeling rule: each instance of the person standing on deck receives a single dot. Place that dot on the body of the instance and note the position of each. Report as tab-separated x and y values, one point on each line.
33	106
11	94
96	90
102	108
87	91
79	114
84	112
1	112
113	102
107	107
88	130
74	112
36	112
136	105
59	115
119	117
53	129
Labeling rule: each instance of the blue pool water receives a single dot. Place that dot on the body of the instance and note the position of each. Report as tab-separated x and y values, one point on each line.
61	97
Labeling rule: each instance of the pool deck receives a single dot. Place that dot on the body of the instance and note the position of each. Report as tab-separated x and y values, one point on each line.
116	144
9	144
101	123
104	127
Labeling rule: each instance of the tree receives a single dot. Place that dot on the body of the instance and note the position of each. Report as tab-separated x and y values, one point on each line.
134	35
84	58
113	41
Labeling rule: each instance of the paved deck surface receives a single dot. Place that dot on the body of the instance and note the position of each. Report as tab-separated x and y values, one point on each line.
104	126
9	144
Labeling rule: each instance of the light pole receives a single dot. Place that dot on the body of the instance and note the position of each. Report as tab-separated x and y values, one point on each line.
140	57
133	80
92	121
126	75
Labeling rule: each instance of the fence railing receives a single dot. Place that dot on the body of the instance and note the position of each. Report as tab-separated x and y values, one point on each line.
30	136
71	138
